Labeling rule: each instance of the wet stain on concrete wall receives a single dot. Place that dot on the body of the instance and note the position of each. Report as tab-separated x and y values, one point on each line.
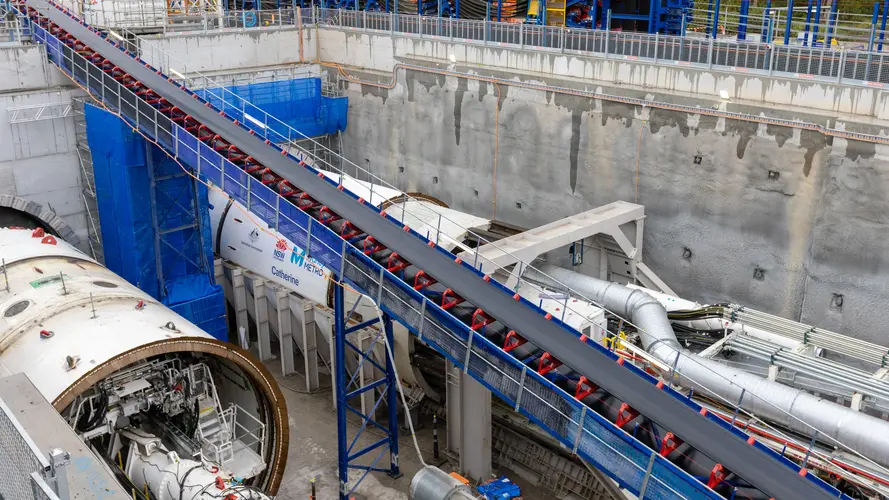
574	147
482	91
426	80
382	93
504	93
658	118
617	111
458	107
860	150
813	142
780	133
745	132
724	207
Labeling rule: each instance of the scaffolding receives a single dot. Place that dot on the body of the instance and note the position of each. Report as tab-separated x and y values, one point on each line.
87	178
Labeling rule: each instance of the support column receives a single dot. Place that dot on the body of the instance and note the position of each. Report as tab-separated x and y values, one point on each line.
353	453
716	19
365	371
831	21
808	25
261	317
475	429
453	376
285	331
339	328
742	21
789	22
392	401
237	295
304	311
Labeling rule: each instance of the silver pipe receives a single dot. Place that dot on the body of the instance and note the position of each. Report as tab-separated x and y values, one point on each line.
432	483
850	381
789	407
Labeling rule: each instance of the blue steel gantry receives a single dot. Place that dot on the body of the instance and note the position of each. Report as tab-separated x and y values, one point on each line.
351	386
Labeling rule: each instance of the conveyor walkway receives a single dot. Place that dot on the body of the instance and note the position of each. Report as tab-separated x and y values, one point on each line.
455	308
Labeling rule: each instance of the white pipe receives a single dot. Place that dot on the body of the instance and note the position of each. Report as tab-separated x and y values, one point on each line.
672	303
784	405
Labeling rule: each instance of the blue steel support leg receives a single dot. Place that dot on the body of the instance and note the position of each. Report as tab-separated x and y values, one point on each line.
593	11
392	402
883	25
816	23
831	20
652	16
873	27
710	17
789	22
766	22
606	6
339	310
806	31
742	20
716	19
499	9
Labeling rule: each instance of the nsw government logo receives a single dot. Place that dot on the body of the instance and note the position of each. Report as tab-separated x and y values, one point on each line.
280	251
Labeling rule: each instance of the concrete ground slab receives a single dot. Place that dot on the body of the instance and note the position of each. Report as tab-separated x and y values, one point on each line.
313	450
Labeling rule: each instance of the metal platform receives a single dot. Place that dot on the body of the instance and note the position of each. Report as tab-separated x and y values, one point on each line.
86	475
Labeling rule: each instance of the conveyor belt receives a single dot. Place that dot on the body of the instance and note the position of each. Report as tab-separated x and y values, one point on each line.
760	468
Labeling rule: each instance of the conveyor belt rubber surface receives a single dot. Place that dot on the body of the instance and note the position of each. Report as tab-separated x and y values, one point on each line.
765	470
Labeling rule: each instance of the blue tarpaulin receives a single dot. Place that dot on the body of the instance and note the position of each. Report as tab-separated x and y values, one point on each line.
297	103
155	222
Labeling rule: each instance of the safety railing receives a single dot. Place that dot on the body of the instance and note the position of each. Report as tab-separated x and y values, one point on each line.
324	245
853	67
590	435
794	61
267	126
247	430
27	474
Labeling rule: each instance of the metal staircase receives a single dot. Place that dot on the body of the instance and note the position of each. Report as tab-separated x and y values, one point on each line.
214	433
470	318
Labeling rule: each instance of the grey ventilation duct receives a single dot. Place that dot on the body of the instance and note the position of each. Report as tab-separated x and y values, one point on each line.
432	483
766	399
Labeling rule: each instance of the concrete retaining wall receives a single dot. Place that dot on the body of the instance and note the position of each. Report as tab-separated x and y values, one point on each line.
382	52
26	68
781	219
39	161
233	50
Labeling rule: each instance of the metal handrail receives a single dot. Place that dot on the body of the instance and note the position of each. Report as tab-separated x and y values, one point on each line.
249	181
231	102
115	94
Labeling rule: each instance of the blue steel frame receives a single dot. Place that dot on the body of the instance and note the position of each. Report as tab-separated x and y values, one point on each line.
383	388
592	437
